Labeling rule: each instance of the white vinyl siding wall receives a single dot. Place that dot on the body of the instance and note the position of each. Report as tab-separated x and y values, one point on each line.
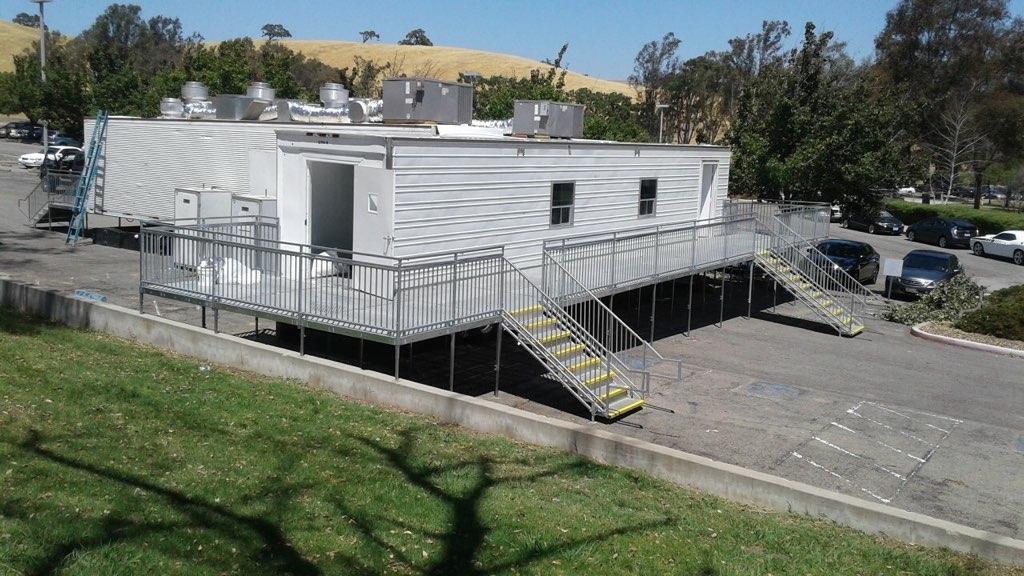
145	160
460	194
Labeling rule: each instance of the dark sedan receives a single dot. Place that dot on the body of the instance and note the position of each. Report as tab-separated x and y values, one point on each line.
923	271
858	259
880	223
945	232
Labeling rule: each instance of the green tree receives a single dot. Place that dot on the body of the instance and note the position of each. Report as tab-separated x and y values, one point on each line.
274	31
368	35
417	37
26	19
654	68
807	130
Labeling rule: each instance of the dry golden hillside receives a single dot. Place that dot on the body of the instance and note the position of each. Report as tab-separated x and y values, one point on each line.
14	39
442	62
434	61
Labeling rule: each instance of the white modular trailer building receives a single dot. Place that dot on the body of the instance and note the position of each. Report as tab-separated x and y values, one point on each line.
412	190
145	160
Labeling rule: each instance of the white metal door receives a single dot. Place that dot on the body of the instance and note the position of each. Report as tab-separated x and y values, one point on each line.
709	173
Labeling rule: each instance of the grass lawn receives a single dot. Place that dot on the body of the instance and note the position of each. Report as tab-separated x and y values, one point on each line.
118	459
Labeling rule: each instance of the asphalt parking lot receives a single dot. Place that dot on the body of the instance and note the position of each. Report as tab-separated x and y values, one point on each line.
884	416
993	273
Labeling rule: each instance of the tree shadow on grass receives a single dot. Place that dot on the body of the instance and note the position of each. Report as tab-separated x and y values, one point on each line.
276	553
467	532
462	536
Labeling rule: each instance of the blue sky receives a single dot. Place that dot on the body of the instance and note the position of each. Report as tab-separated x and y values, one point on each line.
603	36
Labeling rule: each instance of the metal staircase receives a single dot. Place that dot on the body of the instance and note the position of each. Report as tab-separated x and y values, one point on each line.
794	262
591	372
93	152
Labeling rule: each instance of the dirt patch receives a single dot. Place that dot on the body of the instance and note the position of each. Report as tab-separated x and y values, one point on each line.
944	329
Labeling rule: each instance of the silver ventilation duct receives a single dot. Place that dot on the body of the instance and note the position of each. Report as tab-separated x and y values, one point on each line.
201	110
333	95
261	91
292	111
171	108
194	92
238	107
365	110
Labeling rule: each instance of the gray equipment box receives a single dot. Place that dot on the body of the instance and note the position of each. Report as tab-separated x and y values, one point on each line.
546	118
412	100
243	205
193	206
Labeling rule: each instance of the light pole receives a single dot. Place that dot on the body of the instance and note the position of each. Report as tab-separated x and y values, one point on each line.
661	122
42	64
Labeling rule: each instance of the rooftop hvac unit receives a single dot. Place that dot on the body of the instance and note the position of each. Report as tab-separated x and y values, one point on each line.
546	118
420	100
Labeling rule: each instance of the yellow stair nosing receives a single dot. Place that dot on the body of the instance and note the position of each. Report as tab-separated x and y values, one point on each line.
612	394
554	337
598	379
627	408
527	310
569	351
583	364
541	323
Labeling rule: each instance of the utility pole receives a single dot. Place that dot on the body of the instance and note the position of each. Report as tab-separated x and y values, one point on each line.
661	122
42	64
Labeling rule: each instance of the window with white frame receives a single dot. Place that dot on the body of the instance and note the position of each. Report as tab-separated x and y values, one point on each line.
648	196
563	195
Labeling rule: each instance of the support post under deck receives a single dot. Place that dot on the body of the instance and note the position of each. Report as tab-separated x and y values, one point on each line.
302	340
398	356
689	307
654	306
451	362
750	289
721	300
216	320
497	357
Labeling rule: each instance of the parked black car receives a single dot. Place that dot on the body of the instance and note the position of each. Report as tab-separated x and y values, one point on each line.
942	231
880	223
5	130
923	271
858	259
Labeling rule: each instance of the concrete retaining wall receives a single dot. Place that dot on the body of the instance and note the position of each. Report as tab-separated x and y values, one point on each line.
588	440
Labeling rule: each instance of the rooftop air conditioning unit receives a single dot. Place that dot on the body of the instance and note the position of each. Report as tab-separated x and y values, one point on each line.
546	118
420	100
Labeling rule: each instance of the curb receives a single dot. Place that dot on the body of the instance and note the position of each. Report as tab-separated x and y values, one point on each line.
918	330
586	440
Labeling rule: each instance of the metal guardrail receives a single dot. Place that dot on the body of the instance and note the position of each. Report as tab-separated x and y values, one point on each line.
599	320
55	188
607	262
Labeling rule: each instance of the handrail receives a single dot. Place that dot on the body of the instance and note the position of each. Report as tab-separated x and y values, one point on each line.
31	201
850	283
816	274
612	317
579	331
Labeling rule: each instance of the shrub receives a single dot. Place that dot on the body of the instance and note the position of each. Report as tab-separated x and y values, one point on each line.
1002	315
987	221
947	303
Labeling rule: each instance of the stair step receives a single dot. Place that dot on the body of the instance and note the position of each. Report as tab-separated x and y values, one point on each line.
569	351
584	364
591	382
542	323
625	405
554	337
611	394
527	310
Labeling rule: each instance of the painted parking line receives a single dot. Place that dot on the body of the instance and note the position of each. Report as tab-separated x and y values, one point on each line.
872	449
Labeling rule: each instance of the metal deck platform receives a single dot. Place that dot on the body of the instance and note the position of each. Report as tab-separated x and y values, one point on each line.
241	266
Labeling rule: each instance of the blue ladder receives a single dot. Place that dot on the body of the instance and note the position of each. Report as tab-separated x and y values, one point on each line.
85	182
